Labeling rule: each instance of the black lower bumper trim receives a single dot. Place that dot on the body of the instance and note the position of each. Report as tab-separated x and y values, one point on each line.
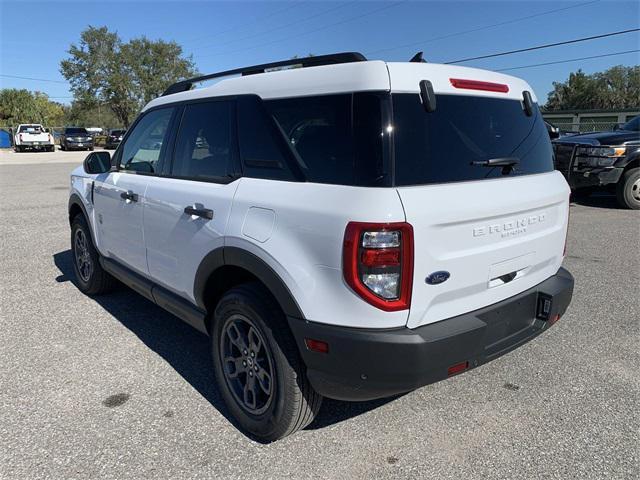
365	364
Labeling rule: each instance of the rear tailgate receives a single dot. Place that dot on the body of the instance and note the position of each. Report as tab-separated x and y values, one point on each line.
457	229
476	178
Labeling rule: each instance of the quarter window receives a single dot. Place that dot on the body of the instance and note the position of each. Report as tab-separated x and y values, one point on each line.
204	143
142	150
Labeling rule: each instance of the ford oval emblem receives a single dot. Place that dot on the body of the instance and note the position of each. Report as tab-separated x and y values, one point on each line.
438	277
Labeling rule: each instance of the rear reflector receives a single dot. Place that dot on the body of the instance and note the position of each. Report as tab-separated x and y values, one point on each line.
457	368
381	257
478	85
316	345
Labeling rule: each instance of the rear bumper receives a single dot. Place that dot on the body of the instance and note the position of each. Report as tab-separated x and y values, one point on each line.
368	364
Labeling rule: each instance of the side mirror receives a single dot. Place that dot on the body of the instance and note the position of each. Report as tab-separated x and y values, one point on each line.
97	162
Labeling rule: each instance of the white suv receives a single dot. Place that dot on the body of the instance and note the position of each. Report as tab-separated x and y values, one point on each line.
351	229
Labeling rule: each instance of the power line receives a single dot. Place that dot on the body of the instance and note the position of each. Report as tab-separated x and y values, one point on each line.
305	19
485	27
324	27
568	60
31	78
255	20
548	45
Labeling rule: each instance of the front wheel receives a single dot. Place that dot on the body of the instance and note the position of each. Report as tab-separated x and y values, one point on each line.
91	278
258	367
628	189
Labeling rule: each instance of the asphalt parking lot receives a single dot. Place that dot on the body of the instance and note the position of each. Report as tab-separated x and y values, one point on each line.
115	387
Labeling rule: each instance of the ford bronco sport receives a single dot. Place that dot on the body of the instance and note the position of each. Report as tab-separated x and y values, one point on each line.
351	229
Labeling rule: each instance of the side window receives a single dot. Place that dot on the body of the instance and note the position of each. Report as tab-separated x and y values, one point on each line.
262	151
204	146
318	129
143	147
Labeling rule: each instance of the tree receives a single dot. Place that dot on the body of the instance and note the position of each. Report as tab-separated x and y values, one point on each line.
617	87
123	76
23	106
92	114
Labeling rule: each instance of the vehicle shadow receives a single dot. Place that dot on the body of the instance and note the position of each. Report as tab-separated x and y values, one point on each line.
186	349
597	200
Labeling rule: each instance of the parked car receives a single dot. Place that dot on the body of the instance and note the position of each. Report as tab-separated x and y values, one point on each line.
114	137
76	138
32	136
603	159
354	230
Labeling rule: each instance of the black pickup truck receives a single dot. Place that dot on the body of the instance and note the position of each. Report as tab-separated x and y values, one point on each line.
603	159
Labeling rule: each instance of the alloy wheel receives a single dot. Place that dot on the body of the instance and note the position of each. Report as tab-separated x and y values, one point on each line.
247	364
84	264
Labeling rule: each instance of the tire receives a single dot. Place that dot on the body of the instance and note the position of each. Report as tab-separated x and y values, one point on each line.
277	407
17	148
91	278
628	189
62	147
90	149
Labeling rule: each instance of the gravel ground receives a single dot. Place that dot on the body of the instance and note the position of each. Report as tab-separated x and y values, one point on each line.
114	387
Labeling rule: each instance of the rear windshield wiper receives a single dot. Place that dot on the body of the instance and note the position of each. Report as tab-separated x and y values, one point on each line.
498	162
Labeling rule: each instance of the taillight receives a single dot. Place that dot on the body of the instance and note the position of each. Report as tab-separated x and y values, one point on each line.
479	85
20	137
378	263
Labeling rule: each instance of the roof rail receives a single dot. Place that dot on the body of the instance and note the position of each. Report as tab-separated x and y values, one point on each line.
345	57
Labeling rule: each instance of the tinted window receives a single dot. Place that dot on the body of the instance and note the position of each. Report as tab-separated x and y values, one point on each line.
335	138
204	143
262	152
632	125
142	149
75	131
440	146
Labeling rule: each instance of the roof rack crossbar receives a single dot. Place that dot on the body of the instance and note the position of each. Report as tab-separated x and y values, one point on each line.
334	58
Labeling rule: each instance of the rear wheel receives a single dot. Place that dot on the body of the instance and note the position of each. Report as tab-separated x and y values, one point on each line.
258	367
17	148
92	279
628	189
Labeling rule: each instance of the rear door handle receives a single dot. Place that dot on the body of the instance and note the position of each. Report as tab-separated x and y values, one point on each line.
129	195
199	211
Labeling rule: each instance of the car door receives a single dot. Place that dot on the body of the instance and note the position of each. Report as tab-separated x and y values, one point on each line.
119	198
186	211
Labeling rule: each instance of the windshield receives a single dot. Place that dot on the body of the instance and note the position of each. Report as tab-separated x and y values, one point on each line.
454	142
75	131
632	125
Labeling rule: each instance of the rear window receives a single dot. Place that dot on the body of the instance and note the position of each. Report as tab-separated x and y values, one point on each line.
75	131
335	139
440	146
30	129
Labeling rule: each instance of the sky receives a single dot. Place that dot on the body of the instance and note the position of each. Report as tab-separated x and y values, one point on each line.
35	36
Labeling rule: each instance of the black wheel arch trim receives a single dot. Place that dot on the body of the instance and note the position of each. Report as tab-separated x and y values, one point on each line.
238	257
75	200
